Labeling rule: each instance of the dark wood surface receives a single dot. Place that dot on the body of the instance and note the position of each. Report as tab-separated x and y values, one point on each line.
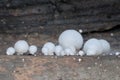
48	16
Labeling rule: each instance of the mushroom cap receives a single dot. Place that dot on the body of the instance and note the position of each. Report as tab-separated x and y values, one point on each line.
32	49
73	50
105	45
51	47
58	50
63	53
44	50
91	52
81	53
92	47
21	47
10	51
68	52
70	38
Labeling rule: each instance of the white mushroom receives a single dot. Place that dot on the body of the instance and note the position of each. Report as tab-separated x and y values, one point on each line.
105	46
58	50
50	47
10	51
68	52
21	47
93	47
81	53
117	53
73	50
63	53
71	38
32	49
45	51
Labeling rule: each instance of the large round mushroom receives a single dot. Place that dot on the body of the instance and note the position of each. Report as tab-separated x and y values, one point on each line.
71	38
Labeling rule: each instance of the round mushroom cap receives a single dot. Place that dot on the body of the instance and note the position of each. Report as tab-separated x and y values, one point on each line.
92	47
32	49
68	52
105	45
21	47
44	50
58	50
81	53
51	47
10	51
70	38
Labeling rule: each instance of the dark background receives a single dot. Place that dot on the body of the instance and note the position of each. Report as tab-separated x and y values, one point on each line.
38	21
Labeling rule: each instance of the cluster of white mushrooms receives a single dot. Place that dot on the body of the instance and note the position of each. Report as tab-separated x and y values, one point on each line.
71	42
21	47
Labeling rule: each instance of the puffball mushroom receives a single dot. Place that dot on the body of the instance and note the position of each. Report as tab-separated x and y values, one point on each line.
58	50
63	53
68	51
71	38
73	50
10	51
44	50
32	49
48	48
105	46
21	47
92	47
81	53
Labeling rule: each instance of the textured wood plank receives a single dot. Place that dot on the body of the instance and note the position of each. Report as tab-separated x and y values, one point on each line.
61	68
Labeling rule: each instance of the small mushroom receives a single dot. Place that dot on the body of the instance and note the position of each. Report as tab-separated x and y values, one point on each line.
44	50
81	53
69	52
58	50
32	49
10	51
21	47
93	47
48	48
